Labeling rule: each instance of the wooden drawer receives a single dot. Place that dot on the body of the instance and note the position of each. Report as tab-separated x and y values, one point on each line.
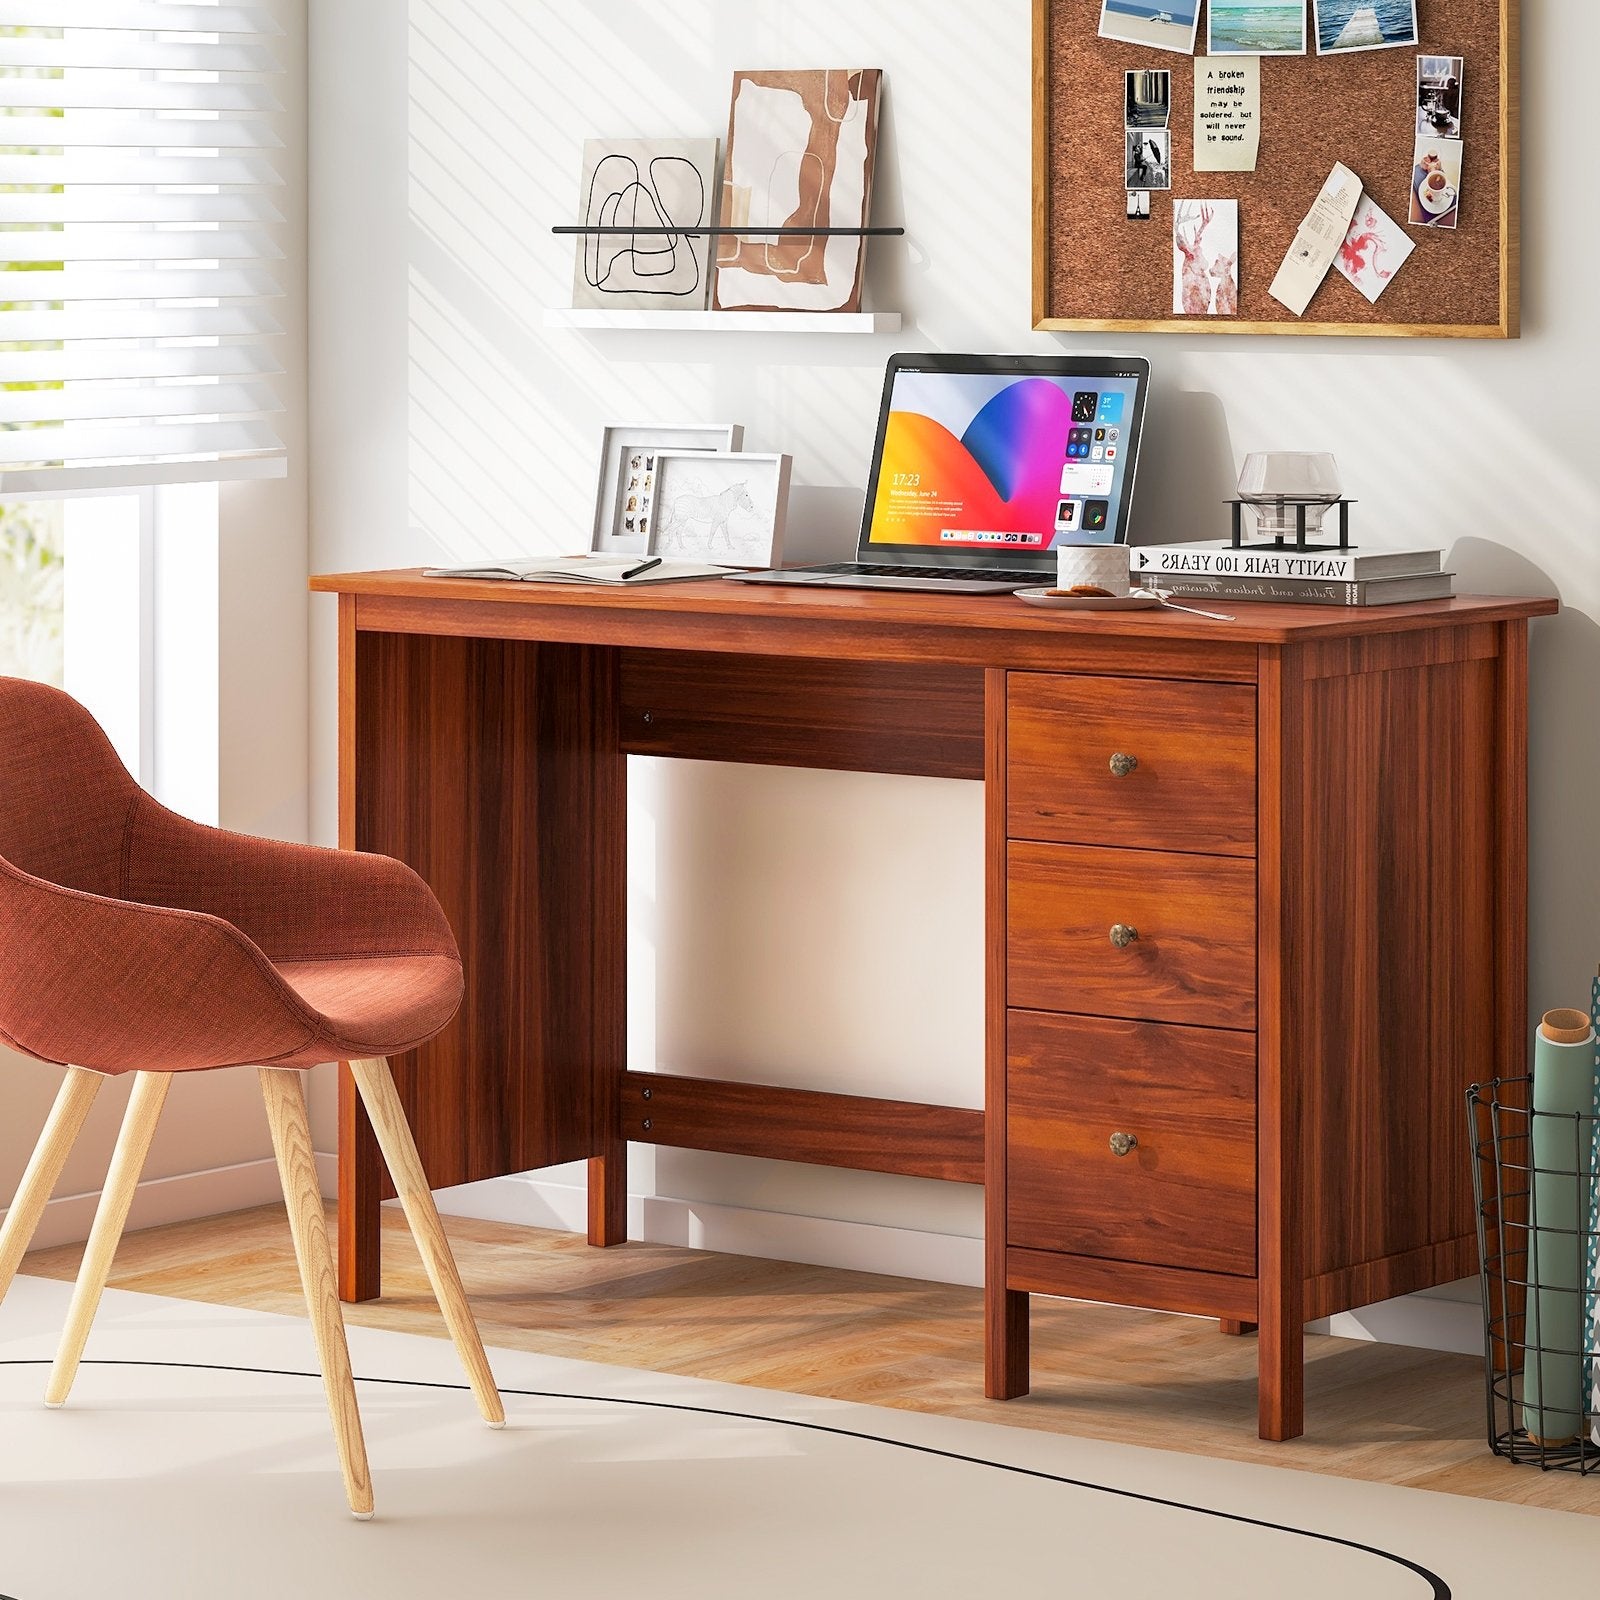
1194	785
1194	959
1184	1195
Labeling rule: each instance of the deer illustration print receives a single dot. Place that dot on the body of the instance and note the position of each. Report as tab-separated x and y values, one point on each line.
1226	278
1196	286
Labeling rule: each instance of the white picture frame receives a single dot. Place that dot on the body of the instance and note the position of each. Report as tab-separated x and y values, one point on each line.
619	443
725	507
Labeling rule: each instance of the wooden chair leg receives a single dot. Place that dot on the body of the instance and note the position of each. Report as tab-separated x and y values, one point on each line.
388	1118
283	1090
61	1131
111	1216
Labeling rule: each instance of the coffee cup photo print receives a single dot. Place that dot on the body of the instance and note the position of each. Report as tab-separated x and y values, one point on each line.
1436	183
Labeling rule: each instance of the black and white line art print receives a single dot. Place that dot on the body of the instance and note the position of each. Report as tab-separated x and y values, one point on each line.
653	188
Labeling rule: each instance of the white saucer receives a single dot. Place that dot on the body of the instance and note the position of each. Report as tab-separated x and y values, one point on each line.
1434	207
1138	600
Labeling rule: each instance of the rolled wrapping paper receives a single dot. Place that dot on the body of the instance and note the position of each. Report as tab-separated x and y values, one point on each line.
1563	1155
1105	566
1592	1315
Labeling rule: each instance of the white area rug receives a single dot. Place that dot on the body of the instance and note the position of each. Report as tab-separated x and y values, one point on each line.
181	1483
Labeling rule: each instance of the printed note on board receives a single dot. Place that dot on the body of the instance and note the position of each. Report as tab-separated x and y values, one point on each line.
1227	113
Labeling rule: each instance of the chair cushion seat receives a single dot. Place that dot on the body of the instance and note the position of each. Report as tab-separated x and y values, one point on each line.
372	1005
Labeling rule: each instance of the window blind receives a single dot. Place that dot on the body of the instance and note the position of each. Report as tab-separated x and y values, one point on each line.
137	245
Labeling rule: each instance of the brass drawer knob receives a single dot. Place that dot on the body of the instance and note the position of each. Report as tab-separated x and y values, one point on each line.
1122	935
1122	765
1122	1143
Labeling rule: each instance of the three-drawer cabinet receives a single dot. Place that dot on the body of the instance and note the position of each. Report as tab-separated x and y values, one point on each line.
1250	937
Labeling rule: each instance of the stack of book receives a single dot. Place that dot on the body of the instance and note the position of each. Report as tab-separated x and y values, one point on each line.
1214	570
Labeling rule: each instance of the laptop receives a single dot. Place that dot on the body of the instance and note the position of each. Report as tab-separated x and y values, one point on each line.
983	465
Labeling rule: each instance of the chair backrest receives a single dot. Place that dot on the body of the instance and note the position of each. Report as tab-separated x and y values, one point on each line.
65	796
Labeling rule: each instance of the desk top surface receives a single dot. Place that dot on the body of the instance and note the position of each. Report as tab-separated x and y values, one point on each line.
404	600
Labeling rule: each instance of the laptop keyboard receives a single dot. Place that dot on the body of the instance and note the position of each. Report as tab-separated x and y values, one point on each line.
862	569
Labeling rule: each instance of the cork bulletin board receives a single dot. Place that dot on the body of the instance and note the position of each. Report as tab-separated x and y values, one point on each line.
1095	270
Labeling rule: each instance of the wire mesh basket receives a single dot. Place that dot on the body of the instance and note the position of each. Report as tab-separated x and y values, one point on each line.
1534	1180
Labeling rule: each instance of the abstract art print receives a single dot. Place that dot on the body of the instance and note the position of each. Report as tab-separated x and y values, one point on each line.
1205	258
800	154
723	508
1374	249
644	186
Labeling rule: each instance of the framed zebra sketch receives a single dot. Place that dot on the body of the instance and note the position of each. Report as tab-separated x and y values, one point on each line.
724	507
626	497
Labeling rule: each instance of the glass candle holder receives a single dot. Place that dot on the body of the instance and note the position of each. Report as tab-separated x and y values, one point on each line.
1276	482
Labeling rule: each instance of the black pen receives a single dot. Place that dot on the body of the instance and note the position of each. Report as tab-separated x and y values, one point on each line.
644	566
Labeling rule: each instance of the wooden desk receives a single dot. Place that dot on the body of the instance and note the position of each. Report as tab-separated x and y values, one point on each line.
1272	950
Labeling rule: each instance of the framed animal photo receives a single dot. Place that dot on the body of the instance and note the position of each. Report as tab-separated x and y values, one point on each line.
723	507
626	492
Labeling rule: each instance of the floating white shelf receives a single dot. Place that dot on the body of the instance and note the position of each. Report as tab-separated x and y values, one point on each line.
729	321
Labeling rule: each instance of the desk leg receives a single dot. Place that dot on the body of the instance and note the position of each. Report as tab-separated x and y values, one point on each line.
1281	1367
360	1174
608	995
1283	851
1005	1311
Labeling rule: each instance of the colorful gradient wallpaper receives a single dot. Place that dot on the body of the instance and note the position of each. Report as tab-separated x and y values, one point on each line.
973	461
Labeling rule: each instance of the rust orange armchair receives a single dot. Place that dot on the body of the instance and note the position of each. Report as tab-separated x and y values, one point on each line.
135	941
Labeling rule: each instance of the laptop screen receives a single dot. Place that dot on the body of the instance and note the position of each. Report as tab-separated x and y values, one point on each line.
987	456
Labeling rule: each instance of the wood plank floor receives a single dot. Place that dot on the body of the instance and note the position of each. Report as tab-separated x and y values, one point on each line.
1376	1412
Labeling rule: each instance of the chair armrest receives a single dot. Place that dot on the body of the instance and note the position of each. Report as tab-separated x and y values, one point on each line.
120	987
296	901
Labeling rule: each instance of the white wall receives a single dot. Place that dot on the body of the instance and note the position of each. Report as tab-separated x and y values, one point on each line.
449	423
244	621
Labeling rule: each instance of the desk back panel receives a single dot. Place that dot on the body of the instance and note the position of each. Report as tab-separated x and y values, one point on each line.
848	716
490	767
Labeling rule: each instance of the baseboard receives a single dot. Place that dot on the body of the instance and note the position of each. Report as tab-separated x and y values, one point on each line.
1422	1321
180	1198
536	1202
1445	1319
1440	1320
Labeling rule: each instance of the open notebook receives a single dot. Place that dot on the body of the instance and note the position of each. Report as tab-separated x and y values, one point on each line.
591	568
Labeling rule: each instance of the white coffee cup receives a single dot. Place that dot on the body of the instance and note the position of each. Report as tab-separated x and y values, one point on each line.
1104	566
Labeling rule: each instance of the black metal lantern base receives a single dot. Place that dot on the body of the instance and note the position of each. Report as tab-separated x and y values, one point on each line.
1302	510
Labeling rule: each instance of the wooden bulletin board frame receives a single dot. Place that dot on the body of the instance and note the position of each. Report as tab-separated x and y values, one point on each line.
1125	287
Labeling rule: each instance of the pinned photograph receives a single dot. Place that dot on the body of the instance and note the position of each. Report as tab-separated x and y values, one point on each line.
1149	158
1375	248
1138	205
1357	25
1436	183
1205	258
1251	28
1163	27
1439	96
1148	98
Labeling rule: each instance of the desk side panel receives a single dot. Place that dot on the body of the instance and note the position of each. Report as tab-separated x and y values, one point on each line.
491	767
1396	811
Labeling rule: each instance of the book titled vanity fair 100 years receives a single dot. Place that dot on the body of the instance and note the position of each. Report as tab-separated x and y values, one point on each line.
1219	559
